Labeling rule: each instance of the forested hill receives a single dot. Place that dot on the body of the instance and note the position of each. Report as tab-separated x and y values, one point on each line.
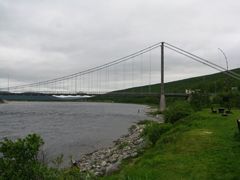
214	83
209	83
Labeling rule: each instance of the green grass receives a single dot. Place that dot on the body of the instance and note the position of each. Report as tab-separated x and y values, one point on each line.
202	146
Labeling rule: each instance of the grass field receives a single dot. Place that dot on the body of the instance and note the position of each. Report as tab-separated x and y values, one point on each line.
202	146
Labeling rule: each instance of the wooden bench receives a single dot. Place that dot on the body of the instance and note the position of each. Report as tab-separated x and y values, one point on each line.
221	110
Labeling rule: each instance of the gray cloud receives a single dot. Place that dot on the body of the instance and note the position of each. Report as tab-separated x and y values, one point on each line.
41	40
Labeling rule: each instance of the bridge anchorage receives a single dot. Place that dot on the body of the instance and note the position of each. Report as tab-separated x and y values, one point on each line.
134	74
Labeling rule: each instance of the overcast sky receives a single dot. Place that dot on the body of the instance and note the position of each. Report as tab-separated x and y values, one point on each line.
44	39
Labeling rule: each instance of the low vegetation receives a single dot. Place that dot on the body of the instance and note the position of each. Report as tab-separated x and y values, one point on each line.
153	131
202	145
19	160
177	111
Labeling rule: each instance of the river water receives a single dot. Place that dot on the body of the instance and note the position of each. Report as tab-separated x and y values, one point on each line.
69	128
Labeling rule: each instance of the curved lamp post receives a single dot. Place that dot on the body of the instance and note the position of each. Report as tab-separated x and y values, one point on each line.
226	63
224	57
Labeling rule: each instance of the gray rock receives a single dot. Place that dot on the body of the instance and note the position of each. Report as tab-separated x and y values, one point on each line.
102	156
98	173
83	169
108	160
114	158
113	168
134	154
126	148
125	156
104	163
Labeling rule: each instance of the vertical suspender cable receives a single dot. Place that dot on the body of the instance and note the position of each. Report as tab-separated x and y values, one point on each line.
150	70
141	72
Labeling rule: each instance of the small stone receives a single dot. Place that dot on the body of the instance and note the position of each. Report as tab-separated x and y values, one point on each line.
126	156
104	163
115	156
138	141
112	168
126	148
113	160
98	173
134	154
120	158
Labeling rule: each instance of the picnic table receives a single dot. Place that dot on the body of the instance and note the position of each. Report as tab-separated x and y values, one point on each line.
221	110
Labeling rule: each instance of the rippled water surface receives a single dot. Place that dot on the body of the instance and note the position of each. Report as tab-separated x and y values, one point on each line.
69	128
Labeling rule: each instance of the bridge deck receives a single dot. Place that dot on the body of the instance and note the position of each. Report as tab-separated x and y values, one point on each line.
93	94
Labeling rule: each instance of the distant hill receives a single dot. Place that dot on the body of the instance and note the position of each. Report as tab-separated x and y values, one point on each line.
209	83
212	83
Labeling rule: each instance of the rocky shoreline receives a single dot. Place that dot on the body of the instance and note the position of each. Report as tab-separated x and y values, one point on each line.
107	160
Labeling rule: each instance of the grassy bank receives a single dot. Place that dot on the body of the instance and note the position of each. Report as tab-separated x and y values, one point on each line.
202	146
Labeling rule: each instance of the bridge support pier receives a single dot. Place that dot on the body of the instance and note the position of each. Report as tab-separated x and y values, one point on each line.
162	103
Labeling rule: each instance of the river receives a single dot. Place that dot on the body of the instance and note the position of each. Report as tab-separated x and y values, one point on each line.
69	128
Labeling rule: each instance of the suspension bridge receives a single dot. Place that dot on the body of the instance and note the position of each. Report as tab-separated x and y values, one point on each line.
142	68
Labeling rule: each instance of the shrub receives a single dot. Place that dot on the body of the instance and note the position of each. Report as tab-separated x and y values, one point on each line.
144	122
177	111
154	130
19	159
227	99
199	100
74	173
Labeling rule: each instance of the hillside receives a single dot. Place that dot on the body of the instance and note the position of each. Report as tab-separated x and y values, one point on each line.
208	83
214	83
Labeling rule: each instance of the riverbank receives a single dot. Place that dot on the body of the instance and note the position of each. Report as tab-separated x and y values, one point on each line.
201	146
108	160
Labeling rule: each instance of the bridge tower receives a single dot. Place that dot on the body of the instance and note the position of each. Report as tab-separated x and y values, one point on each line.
162	94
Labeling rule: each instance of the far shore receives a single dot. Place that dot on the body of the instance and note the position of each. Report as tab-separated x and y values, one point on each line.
2	101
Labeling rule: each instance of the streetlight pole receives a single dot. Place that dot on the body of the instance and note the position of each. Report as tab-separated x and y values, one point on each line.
224	57
226	82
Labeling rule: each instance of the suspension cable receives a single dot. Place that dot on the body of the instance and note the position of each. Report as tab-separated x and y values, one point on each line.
203	62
